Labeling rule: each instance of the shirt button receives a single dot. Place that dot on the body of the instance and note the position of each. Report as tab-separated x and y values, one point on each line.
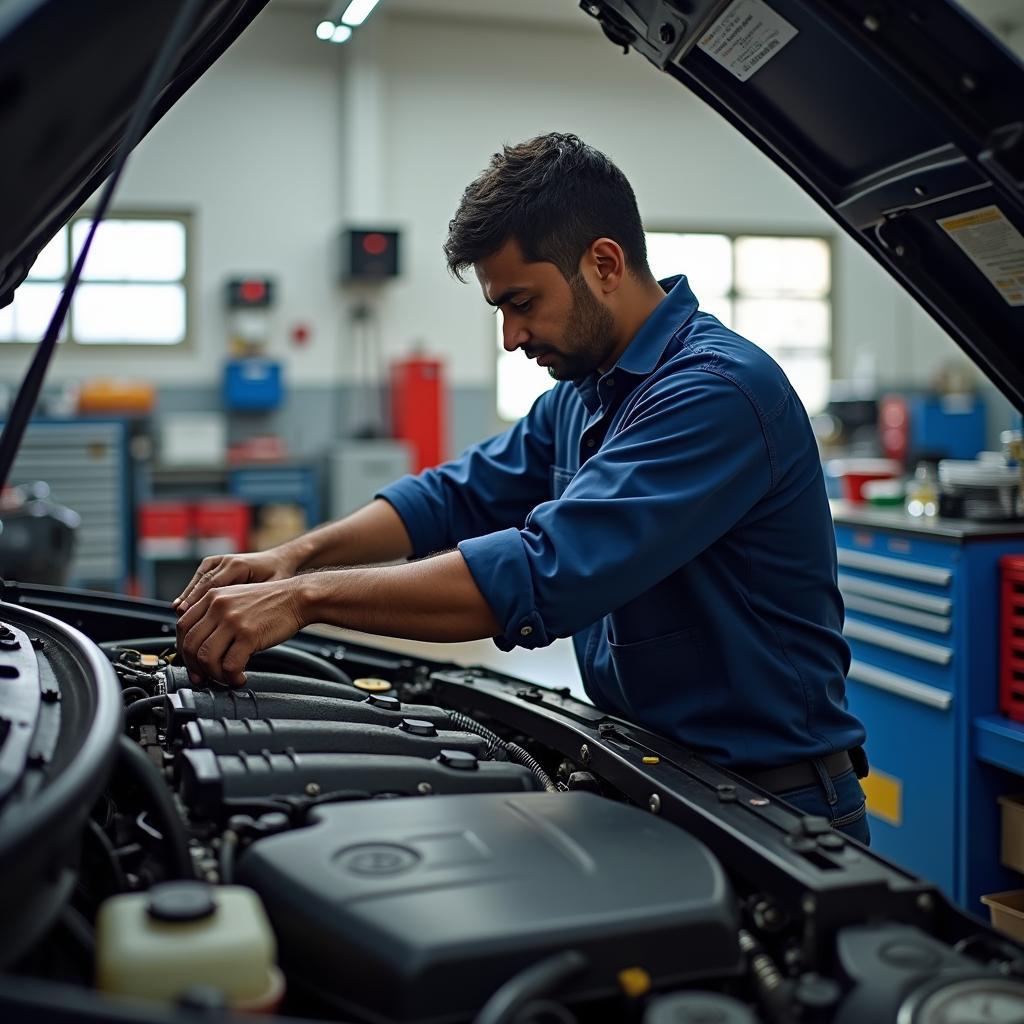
526	631
611	382
591	442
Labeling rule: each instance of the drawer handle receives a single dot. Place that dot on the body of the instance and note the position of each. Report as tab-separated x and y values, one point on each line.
894	567
921	693
898	595
884	610
935	653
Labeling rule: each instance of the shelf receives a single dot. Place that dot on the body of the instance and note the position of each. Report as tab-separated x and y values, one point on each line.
175	550
1000	741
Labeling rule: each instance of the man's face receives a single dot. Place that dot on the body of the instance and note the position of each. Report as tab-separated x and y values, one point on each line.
559	323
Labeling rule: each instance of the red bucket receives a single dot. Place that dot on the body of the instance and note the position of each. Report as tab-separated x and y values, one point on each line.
854	473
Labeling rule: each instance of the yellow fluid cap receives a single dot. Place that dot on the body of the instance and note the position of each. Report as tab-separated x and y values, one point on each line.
652	760
149	660
372	685
635	982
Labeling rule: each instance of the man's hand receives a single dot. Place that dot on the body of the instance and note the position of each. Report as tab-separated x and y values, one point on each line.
226	570
221	630
433	599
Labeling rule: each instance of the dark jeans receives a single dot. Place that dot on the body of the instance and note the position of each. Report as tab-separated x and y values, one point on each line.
841	800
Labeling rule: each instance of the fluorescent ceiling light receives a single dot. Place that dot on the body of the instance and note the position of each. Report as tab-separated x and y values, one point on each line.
325	30
341	34
358	11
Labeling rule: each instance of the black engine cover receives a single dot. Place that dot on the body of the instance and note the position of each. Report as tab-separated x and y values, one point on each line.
418	909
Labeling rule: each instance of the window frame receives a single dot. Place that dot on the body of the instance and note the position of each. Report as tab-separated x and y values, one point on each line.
661	227
732	234
184	217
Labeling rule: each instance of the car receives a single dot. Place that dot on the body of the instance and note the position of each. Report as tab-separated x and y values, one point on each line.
361	835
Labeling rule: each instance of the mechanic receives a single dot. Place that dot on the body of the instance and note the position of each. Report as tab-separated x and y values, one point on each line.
663	505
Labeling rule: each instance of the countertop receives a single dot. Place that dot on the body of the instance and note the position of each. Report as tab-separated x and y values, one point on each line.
848	513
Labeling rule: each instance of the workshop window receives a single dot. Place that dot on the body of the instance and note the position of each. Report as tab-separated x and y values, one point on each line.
133	291
775	290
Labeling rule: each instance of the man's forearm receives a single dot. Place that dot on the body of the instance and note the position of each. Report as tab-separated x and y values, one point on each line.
432	599
371	535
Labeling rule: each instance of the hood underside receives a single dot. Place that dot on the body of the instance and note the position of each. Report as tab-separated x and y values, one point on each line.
70	74
903	119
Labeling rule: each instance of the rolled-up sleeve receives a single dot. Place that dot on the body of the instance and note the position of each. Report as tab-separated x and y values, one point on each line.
686	464
490	487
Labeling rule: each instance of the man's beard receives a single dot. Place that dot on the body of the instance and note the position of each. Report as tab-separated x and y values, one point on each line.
589	336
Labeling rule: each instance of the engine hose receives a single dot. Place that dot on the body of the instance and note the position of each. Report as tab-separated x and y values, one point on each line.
133	758
282	658
78	927
512	751
517	754
539	979
103	841
545	1010
296	662
140	708
226	857
135	693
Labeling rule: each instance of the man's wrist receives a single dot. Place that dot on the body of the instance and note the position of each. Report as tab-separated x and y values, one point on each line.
316	597
297	553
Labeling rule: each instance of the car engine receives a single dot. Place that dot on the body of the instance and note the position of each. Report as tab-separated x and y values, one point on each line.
361	836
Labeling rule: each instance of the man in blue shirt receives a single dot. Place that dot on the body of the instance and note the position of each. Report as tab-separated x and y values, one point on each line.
663	505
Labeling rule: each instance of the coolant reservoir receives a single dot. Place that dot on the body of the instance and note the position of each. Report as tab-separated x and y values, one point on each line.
179	935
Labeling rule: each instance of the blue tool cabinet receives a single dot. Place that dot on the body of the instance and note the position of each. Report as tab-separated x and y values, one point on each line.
87	464
922	620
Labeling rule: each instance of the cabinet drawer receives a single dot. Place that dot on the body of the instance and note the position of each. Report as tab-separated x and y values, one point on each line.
897	614
903	555
932	661
895	568
902	686
910	744
916	599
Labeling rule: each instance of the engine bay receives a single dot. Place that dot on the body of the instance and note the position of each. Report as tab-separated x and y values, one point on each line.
361	836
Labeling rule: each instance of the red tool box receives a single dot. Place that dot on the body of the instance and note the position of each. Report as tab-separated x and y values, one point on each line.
1011	636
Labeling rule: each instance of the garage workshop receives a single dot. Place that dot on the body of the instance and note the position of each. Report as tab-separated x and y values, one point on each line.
512	512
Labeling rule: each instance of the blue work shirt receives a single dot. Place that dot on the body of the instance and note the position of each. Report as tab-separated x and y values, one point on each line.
670	516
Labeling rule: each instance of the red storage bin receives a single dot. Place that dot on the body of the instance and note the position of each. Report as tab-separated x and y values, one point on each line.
1011	636
222	527
165	528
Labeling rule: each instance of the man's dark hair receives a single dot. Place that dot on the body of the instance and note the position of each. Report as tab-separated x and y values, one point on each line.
554	195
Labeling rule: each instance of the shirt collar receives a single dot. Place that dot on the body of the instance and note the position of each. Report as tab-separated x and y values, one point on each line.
644	352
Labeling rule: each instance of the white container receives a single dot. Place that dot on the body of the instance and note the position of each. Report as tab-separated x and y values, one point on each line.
980	489
178	935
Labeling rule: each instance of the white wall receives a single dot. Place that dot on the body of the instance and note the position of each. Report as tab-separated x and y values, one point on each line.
287	138
454	94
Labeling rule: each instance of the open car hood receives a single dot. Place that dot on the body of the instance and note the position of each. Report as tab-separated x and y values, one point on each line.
70	74
904	119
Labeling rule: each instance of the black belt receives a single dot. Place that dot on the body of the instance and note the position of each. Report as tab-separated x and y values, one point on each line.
803	773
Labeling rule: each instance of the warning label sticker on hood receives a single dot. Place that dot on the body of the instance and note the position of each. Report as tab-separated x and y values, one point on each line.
746	37
994	246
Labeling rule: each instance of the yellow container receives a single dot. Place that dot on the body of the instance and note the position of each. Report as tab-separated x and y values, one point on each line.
179	935
116	395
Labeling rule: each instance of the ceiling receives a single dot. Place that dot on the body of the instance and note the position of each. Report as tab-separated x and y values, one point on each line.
551	13
1004	18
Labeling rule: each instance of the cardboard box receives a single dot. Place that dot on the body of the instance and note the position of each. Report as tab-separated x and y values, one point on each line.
1012	849
1007	912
